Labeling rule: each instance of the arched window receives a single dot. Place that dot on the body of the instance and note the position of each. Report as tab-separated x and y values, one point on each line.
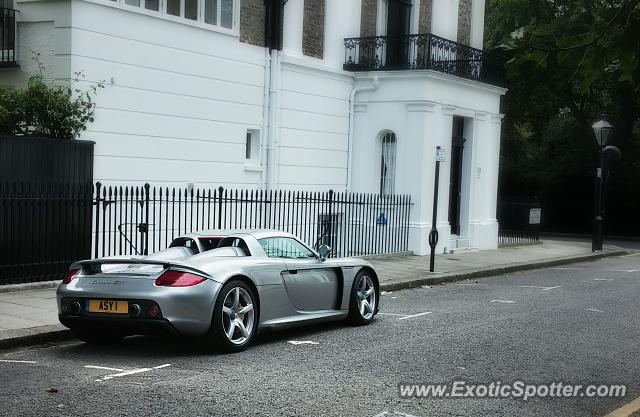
388	163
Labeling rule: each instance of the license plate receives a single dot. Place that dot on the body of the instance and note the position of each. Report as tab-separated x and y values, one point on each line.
108	306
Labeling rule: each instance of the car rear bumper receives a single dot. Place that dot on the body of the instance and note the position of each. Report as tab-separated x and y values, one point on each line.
126	326
186	310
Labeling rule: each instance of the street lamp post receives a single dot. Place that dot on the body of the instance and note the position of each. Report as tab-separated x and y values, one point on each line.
602	129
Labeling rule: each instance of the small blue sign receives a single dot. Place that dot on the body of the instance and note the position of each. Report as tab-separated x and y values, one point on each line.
382	220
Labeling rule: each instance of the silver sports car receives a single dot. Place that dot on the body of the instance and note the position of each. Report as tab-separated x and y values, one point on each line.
222	286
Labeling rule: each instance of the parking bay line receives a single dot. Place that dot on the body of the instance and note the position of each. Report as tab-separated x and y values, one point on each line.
503	301
16	361
540	287
407	316
127	373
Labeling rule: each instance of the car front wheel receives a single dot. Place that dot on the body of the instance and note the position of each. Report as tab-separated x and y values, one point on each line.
363	304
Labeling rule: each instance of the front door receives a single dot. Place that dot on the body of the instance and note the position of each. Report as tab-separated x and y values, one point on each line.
455	176
311	285
398	15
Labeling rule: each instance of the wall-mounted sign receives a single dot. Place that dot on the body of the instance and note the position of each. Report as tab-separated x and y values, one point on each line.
534	215
441	155
382	220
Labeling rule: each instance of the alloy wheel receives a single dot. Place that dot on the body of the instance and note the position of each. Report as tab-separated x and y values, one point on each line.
366	297
238	315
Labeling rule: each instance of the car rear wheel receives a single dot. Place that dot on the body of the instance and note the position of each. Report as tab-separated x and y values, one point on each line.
97	336
363	303
235	318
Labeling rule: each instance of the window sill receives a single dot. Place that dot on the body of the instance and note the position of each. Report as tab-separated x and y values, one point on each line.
252	167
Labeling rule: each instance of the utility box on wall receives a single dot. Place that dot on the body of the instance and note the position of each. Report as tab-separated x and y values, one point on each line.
46	202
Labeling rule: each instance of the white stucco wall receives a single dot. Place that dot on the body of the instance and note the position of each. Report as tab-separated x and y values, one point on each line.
178	99
313	125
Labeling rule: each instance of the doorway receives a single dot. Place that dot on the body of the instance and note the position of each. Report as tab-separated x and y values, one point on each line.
455	175
398	26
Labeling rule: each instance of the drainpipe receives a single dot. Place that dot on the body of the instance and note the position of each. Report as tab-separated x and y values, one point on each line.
273	43
352	103
266	115
273	103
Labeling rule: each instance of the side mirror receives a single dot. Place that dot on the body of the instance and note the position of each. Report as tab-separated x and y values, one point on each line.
324	251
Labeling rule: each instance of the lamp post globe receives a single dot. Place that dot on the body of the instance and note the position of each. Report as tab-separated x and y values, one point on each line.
602	129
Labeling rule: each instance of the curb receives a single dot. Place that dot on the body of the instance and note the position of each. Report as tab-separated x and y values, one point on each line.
490	272
29	286
35	336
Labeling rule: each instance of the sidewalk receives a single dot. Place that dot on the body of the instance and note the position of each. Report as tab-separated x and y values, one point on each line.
29	316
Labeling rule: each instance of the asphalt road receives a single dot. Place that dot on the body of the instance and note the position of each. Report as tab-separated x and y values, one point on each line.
573	324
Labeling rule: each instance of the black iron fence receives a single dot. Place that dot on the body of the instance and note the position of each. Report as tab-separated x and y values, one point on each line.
422	52
7	37
44	228
519	222
141	220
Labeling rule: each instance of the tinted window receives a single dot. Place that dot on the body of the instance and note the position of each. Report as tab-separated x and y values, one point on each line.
285	247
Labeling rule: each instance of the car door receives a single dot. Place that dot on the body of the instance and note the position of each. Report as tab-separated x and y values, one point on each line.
311	285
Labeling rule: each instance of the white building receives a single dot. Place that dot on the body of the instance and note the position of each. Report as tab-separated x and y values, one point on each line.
255	94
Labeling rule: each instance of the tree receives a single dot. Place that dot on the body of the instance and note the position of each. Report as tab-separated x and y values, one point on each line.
568	61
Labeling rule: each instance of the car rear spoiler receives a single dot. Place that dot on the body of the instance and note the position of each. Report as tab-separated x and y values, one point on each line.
94	266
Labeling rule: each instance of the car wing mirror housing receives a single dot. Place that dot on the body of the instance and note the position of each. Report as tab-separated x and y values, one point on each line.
324	251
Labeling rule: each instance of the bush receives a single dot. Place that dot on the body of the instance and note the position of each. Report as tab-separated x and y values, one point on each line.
58	112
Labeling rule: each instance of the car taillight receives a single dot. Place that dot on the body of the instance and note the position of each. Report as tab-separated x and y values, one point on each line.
70	276
179	279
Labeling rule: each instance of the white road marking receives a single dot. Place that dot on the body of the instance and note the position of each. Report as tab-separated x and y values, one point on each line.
603	279
503	301
386	292
415	315
302	342
567	268
472	285
425	287
16	361
393	314
622	270
126	373
104	368
633	254
595	310
539	287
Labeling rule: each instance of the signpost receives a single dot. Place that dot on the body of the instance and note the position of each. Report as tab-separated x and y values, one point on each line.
433	234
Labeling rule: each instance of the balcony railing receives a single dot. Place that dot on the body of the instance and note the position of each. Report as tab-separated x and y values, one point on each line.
421	52
7	37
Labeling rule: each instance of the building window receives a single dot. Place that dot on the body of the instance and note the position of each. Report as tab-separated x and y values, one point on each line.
153	5
388	163
252	145
219	13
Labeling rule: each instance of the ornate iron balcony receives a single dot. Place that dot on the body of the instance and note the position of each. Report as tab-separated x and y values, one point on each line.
7	37
421	52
